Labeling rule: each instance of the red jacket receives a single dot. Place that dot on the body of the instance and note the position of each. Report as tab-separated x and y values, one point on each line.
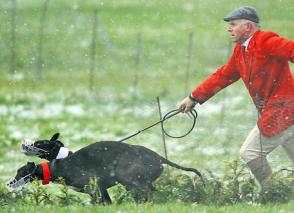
266	73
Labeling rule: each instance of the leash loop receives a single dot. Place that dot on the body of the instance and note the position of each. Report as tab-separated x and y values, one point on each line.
172	113
167	116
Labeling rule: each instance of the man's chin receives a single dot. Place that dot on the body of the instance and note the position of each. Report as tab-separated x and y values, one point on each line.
235	40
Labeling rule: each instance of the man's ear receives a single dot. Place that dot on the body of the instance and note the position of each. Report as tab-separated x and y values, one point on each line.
249	26
54	137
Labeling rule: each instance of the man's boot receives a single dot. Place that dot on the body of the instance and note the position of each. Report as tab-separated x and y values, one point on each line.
261	170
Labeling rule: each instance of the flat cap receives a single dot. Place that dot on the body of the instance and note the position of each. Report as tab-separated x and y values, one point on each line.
245	12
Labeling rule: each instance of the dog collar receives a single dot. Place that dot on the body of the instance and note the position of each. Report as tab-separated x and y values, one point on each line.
46	173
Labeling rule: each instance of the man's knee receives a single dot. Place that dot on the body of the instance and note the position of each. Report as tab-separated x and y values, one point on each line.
248	155
250	150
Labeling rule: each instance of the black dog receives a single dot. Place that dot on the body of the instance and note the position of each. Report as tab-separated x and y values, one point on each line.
46	149
109	162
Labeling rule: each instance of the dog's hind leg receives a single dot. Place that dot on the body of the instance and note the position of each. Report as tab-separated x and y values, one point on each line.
152	188
105	198
139	193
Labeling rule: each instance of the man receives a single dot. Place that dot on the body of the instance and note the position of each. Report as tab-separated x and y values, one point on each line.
260	59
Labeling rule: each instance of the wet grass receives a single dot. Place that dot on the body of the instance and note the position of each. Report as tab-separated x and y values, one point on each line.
168	207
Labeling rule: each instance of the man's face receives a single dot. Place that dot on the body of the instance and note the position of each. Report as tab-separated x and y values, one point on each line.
239	30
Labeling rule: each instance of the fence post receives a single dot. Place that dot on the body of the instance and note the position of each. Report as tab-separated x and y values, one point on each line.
13	37
162	132
40	62
104	38
137	65
93	52
189	55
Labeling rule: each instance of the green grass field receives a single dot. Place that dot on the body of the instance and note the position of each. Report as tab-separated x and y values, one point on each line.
118	104
169	207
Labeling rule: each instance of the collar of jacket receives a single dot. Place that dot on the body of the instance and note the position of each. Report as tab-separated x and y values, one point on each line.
252	41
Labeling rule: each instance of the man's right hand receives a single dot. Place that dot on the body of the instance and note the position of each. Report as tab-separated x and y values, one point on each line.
187	104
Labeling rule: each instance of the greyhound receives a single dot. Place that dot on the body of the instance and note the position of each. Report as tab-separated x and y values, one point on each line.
109	162
46	149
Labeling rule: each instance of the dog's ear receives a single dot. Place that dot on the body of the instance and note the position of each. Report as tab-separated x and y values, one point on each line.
31	164
54	137
27	168
31	167
59	143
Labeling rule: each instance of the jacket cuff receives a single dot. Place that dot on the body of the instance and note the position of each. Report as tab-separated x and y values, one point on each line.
196	98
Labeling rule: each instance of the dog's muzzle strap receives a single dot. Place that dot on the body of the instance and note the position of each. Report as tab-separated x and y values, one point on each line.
46	173
14	184
28	148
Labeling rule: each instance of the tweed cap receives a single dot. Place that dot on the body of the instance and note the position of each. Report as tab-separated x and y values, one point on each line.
245	12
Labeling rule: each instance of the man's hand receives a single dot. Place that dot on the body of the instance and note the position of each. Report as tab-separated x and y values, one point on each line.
187	104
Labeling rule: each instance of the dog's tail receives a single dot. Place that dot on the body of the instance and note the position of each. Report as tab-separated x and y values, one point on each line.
166	161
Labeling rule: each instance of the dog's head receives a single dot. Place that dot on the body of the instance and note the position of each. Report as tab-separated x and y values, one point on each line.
24	175
46	149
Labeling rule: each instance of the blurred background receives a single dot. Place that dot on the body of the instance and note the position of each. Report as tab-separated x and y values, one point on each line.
92	70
